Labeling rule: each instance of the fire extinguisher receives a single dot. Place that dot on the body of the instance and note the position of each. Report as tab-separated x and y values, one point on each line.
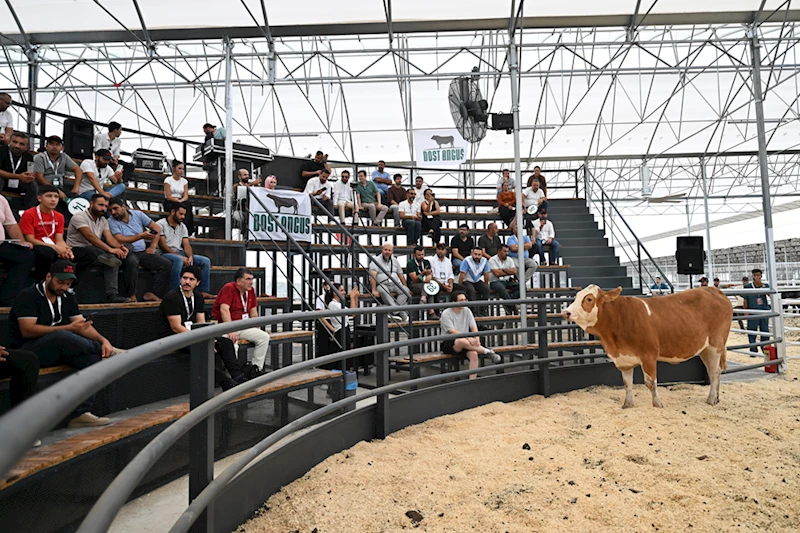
772	354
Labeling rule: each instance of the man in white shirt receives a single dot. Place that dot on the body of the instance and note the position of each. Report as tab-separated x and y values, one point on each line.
546	235
503	277
411	217
420	187
110	141
534	195
97	176
6	118
320	188
386	277
175	246
344	197
442	269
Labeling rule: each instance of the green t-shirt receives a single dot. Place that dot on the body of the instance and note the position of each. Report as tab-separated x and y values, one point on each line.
412	266
367	192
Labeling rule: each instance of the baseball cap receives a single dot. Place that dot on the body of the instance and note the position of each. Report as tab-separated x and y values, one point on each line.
463	226
63	270
104	153
209	125
54	139
441	245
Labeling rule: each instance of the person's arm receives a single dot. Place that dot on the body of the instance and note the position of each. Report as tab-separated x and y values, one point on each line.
225	313
130	239
86	330
31	330
403	215
13	231
461	277
402	278
187	249
168	193
437	209
486	277
499	272
382	181
327	324
512	247
175	324
456	253
373	283
529	244
94	240
116	247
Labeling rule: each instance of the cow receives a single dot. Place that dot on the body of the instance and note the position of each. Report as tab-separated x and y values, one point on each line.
281	202
440	140
673	328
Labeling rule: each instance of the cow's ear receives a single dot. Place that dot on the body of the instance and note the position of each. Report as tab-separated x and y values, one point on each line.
610	296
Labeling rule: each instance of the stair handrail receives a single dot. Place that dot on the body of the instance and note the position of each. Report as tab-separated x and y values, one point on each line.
639	244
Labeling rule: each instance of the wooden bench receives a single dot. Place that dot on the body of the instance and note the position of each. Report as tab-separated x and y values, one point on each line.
52	455
49	371
285	340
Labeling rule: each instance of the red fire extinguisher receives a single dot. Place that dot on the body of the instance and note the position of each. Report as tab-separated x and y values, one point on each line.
772	354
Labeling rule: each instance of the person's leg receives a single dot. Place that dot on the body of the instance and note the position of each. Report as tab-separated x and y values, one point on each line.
408	225
130	275
189	220
175	272
470	288
540	250
388	299
340	207
417	231
261	340
500	288
227	352
530	269
160	267
555	248
395	214
87	195
437	230
117	190
763	325
402	299
372	209
205	272
456	266
30	192
45	255
18	263
22	367
483	290
752	325
381	214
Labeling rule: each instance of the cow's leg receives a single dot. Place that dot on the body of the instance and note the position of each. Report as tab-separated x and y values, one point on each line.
627	378
710	357
649	370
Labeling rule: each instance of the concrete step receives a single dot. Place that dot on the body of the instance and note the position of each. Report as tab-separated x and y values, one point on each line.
596	270
604	282
590	261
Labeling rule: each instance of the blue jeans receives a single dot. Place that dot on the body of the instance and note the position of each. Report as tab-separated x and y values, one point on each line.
456	266
199	260
554	248
70	349
758	324
116	190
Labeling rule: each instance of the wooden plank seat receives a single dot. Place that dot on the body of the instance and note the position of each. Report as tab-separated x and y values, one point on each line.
49	371
325	249
285	340
52	455
263	301
326	229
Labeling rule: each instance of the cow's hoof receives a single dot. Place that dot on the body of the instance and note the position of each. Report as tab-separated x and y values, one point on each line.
712	401
627	405
657	403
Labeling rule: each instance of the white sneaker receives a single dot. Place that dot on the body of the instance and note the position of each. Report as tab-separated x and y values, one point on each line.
88	420
396	318
495	356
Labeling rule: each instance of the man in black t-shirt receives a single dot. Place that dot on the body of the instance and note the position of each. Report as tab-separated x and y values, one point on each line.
461	246
45	320
314	167
184	306
15	176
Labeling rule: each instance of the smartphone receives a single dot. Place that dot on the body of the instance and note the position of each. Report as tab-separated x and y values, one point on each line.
151	230
90	317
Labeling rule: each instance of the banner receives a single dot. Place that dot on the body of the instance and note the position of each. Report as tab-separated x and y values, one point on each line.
292	209
440	148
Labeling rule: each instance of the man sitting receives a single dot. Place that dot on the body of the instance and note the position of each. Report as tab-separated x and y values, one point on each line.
395	196
43	227
16	169
442	270
177	248
461	246
411	217
457	320
237	301
91	242
386	278
419	273
475	277
181	308
534	195
546	235
22	367
490	242
503	277
344	197
659	287
46	321
16	257
513	253
369	199
134	229
98	177
320	188
50	168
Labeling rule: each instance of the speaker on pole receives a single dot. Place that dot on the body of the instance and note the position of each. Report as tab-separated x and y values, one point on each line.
78	138
690	255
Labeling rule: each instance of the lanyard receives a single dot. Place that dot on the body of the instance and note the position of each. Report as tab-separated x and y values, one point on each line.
52	223
244	299
53	320
19	161
189	308
50	162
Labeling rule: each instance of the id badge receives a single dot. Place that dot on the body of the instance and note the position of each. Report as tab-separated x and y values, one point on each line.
188	325
48	240
56	182
13	184
245	317
759	301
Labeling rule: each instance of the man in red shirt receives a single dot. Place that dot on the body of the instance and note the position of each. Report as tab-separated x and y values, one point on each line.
43	227
237	301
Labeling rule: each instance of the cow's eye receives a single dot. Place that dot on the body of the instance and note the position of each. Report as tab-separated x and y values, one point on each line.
589	299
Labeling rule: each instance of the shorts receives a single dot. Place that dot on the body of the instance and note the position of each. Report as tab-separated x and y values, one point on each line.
448	347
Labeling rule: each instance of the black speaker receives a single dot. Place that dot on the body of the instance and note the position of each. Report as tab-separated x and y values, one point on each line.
690	255
502	121
78	138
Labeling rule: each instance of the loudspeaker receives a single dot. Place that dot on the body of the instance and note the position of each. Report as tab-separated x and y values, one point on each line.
78	138
690	255
502	121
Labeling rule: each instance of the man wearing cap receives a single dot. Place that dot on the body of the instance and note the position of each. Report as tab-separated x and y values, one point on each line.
716	282
704	281
51	166
97	176
17	257
16	169
110	141
46	321
213	132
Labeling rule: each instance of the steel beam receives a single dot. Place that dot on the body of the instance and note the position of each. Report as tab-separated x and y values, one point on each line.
228	178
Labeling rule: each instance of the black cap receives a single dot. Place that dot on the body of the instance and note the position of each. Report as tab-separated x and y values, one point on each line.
716	279
63	270
463	226
209	125
54	139
703	279
441	245
104	153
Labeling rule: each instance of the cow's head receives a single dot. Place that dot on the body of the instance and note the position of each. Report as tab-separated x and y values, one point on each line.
585	309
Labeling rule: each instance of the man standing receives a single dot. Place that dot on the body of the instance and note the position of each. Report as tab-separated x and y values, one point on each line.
314	167
344	197
213	132
50	168
320	188
461	246
419	273
546	235
475	278
395	195
46	321
6	118
16	169
244	178
369	199
178	249
91	242
17	257
716	282
110	141
237	301
386	277
183	307
457	320
43	228
98	177
411	217
490	242
142	236
704	281
382	180
503	277
513	253
760	302
442	269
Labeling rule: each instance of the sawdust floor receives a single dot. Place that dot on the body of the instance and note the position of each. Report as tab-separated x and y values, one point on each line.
575	462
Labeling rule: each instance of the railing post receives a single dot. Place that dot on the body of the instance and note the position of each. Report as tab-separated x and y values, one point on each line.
639	259
542	353
603	206
382	371
201	437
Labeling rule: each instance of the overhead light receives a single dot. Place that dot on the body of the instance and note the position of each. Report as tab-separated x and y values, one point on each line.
276	135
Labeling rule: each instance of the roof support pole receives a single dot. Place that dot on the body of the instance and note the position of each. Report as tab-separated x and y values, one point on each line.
772	271
228	139
33	85
709	251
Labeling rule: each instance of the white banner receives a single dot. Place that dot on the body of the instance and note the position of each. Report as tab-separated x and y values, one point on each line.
440	148
292	209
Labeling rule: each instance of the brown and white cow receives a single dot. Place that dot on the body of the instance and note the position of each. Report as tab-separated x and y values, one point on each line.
673	328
